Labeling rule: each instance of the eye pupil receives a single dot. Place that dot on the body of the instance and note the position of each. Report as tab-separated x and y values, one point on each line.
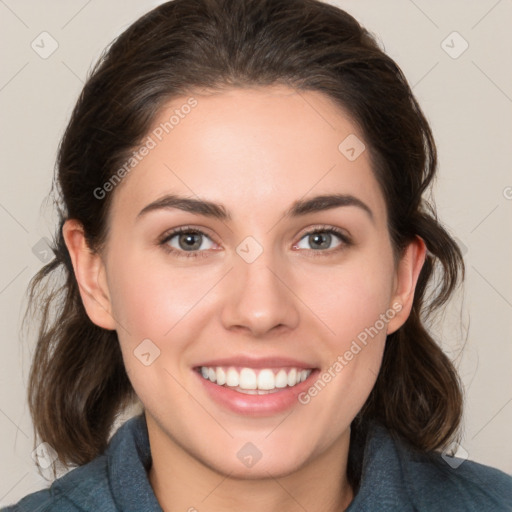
321	240
187	242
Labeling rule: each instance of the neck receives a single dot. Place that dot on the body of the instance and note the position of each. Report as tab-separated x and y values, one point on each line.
181	482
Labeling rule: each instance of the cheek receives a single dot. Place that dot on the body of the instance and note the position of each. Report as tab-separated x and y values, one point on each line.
354	302
352	356
352	297
167	305
158	303
149	298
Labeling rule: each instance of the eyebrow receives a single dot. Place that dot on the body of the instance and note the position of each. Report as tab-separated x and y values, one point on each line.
218	211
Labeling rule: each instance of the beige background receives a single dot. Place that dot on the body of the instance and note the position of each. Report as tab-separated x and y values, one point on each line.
467	99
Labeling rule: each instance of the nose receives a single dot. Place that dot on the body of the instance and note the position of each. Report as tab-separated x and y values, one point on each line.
260	297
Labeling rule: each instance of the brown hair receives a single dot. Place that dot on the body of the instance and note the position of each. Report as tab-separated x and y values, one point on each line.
78	383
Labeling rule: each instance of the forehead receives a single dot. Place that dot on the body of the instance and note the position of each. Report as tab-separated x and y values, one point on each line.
247	148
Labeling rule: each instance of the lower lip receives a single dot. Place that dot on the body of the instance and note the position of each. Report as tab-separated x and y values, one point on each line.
256	405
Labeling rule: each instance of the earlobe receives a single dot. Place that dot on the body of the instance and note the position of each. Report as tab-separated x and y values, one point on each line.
407	274
90	275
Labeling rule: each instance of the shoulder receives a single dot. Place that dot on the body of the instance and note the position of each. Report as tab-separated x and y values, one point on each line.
83	488
396	476
115	480
438	482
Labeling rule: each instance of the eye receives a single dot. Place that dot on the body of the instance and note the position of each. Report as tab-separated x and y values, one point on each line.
181	241
323	239
188	242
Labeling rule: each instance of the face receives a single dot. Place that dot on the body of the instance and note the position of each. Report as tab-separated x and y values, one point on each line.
265	283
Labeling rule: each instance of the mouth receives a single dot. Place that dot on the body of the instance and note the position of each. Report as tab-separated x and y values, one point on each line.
255	386
255	381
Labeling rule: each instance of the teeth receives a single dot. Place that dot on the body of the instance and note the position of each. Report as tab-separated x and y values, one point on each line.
221	376
281	379
266	379
255	382
248	379
292	377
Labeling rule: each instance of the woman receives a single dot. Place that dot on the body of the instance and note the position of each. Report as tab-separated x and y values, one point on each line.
246	253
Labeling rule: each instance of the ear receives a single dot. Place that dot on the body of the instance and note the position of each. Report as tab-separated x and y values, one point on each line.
406	277
90	275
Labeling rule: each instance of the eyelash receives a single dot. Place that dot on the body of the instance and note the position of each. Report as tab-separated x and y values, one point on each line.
345	241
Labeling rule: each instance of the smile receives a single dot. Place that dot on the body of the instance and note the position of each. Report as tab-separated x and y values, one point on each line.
255	381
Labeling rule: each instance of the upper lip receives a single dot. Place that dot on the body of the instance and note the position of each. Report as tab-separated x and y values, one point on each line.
260	362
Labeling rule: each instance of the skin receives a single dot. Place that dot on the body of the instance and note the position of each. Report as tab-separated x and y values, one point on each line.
256	151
